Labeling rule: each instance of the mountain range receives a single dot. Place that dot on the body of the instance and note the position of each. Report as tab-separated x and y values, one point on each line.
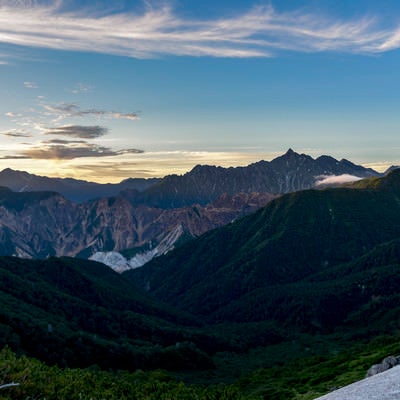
72	189
341	243
287	173
316	268
202	185
146	218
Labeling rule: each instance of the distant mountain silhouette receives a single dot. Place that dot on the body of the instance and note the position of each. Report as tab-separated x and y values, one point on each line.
203	184
73	189
288	173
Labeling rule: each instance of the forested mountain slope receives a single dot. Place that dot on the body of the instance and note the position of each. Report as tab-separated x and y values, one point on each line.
249	269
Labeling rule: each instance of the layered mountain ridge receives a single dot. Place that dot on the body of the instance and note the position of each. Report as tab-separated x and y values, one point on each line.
287	173
72	189
203	184
250	270
149	216
312	270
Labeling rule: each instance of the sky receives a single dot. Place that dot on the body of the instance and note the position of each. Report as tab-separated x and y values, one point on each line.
103	91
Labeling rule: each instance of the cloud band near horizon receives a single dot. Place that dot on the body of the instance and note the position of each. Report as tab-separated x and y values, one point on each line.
159	30
67	150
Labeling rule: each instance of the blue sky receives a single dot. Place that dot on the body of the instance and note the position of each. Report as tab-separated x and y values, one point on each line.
147	88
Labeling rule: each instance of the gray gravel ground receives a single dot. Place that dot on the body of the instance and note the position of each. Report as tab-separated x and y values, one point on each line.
383	386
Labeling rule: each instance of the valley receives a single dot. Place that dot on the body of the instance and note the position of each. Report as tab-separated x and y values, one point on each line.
146	218
254	295
199	200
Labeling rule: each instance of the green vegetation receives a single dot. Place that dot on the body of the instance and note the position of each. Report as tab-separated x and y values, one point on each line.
77	313
242	272
309	377
302	376
289	303
39	381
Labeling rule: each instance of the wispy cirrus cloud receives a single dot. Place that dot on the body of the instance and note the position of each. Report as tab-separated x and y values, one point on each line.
11	114
31	85
16	133
78	131
159	30
67	151
62	141
81	88
69	110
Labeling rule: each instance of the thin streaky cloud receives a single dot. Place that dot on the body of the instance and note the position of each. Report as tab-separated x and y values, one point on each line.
81	88
16	133
78	131
68	110
31	85
159	30
68	151
11	114
62	141
14	157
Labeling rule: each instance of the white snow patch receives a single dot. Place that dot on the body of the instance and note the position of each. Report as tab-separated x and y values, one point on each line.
335	179
120	264
113	259
383	386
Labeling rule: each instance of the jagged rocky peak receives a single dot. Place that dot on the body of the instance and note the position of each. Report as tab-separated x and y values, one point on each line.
8	175
291	153
327	159
344	161
290	157
391	168
203	169
8	171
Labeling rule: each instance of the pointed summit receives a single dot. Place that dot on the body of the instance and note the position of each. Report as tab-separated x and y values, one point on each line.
290	152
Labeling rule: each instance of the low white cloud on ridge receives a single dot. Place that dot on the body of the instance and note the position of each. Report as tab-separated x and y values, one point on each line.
322	180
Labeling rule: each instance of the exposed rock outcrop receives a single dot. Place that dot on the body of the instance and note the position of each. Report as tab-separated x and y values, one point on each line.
387	363
42	224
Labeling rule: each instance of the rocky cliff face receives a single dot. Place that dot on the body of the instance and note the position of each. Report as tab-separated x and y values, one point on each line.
42	224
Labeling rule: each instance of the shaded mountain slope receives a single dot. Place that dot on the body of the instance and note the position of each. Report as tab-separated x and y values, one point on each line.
42	224
72	189
202	185
79	313
288	173
360	295
291	239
